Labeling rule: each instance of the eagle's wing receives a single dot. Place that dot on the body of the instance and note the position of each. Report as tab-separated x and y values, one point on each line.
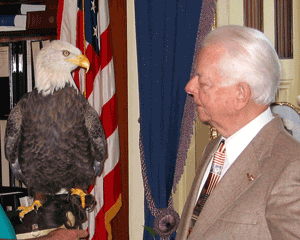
13	138
97	138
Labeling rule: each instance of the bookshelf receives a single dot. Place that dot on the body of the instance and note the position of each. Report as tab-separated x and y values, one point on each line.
19	76
40	33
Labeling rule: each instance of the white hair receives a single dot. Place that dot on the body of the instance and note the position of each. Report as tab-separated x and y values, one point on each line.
250	58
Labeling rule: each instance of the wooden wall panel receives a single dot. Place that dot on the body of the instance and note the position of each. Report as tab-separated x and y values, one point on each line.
120	224
253	14
284	28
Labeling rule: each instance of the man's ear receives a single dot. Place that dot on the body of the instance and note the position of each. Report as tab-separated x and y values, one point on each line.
243	95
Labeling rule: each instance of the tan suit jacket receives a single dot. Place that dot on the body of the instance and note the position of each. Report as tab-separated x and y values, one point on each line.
267	207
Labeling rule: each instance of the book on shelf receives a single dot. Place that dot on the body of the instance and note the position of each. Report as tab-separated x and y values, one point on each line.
17	71
11	29
37	20
18	21
16	9
4	60
35	48
20	17
29	66
33	20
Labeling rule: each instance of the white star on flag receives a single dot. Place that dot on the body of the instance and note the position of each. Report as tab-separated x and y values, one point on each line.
93	6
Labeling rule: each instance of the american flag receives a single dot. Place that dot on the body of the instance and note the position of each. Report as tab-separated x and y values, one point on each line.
85	24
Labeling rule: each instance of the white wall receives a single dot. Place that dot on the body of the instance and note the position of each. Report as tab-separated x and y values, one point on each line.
136	189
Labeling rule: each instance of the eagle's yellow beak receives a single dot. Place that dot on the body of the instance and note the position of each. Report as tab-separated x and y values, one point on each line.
81	61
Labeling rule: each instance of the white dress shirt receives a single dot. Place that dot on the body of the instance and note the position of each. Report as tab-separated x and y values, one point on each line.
236	143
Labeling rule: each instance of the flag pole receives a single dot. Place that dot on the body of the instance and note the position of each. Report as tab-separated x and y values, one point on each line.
84	50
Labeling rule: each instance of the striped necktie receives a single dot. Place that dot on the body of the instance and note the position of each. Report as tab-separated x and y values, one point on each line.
211	182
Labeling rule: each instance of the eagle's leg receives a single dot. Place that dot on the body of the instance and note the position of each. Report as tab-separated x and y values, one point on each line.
24	210
78	191
39	199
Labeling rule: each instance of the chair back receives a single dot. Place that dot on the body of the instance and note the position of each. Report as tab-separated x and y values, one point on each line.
290	116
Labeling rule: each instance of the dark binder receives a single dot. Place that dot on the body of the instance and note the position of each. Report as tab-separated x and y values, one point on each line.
4	80
4	93
19	71
14	74
22	69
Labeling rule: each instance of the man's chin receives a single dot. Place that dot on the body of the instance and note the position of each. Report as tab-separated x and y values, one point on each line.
206	123
204	119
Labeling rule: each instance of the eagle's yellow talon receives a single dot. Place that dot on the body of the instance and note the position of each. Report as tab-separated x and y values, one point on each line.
81	194
25	210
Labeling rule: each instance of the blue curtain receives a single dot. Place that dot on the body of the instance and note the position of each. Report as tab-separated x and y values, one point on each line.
166	36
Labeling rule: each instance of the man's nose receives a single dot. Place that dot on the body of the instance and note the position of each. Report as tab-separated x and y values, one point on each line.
191	86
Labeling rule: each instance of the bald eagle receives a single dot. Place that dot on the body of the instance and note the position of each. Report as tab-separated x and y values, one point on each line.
54	139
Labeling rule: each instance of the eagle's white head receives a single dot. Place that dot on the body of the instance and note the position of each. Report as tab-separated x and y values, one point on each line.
54	65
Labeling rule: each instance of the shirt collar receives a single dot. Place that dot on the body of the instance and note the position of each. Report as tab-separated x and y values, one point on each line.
236	143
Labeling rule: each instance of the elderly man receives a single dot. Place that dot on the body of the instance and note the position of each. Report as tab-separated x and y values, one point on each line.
248	182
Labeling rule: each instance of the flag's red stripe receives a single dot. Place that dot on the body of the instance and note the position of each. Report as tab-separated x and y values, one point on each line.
99	62
91	187
100	230
80	41
59	17
95	68
112	187
105	50
109	116
115	173
112	191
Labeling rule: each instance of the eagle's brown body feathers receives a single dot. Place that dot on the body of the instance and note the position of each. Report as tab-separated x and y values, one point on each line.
55	141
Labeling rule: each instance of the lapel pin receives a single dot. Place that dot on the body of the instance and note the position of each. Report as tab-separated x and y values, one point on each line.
250	177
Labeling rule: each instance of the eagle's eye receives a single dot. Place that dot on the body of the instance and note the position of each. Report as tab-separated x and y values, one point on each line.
66	53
